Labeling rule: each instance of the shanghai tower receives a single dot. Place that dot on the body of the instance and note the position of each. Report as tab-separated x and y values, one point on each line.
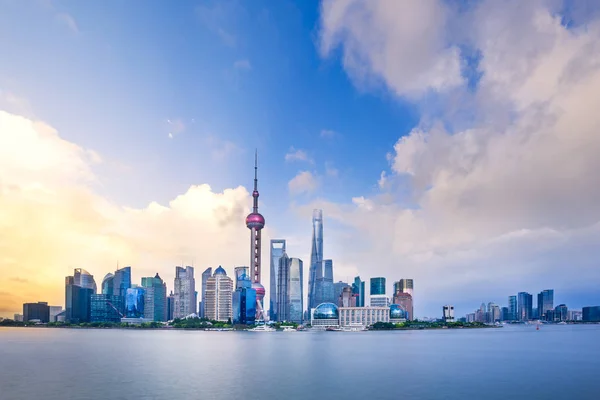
255	222
316	257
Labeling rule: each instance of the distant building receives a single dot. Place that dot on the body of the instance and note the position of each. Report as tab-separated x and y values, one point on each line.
545	302
574	315
512	308
18	317
121	282
591	314
470	317
205	275
505	314
358	289
106	308
219	288
406	286
524	306
185	292
315	272
244	298
134	302
493	313
561	313
338	287
54	311
378	297
290	289
170	306
277	247
155	298
78	298
347	298
329	315
448	313
36	311
404	300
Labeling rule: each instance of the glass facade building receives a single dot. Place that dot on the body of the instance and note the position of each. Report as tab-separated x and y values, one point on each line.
107	286
377	286
134	302
290	304
545	302
77	298
170	306
524	306
316	258
205	275
122	282
155	298
591	314
105	308
277	247
358	289
36	311
185	292
512	308
244	304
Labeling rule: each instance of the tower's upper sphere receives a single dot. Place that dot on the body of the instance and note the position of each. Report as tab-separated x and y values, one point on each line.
255	220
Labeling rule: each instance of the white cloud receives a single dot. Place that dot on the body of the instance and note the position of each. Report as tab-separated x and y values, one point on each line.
242	65
389	41
382	180
304	182
328	133
48	205
297	155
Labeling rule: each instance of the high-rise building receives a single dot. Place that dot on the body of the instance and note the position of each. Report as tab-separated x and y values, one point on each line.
290	303
185	292
219	288
561	313
448	313
106	308
512	308
84	279
256	222
244	298
134	302
404	300
170	306
338	287
378	297
505	314
77	299
323	284
54	311
347	298
358	289
122	282
205	275
277	251
524	306
107	286
591	314
155	298
545	302
406	286
36	311
316	257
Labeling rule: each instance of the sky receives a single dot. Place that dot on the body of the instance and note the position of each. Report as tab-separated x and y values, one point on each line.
454	142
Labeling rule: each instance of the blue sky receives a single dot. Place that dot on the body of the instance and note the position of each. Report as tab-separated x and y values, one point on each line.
443	98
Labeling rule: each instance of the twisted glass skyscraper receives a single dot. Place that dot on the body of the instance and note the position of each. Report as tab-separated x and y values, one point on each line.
316	258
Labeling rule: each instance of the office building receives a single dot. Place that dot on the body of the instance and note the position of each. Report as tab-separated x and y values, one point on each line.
512	308
244	298
338	287
171	306
347	298
591	314
36	312
54	311
404	300
106	308
290	289
493	313
378	297
18	317
134	302
323	284
121	282
219	288
358	289
561	313
574	315
448	313
316	258
505	314
524	306
277	248
185	292
155	298
107	286
77	298
205	275
545	302
405	286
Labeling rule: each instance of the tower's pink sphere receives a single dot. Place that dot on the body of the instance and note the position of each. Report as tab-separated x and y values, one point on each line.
260	290
255	220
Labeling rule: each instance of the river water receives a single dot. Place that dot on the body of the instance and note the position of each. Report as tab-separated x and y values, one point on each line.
515	362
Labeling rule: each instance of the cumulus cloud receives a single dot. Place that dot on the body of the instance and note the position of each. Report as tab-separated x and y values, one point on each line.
304	182
389	41
51	220
297	155
510	202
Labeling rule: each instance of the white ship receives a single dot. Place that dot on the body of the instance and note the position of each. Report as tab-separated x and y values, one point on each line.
289	329
353	328
262	328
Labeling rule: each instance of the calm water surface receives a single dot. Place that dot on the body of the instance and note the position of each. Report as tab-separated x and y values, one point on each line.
557	362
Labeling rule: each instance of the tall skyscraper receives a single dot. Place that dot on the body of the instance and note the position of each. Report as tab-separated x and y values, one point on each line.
277	250
524	306
185	292
256	222
338	287
358	289
219	288
378	297
405	286
170	306
78	298
404	300
448	313
545	302
205	275
316	257
107	286
244	298
122	282
290	304
155	298
323	284
134	302
512	308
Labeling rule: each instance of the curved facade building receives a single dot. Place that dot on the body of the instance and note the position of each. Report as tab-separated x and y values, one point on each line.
84	279
107	284
324	315
396	312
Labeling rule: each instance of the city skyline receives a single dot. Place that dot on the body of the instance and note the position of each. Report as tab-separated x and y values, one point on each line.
468	162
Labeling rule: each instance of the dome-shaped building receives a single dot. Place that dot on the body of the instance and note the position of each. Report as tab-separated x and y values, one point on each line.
325	315
397	314
220	271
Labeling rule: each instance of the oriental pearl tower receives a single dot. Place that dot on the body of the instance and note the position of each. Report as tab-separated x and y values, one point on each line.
255	222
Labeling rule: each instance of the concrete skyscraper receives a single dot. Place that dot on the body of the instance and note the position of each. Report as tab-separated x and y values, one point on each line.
219	288
378	296
277	251
316	257
205	275
256	222
185	292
